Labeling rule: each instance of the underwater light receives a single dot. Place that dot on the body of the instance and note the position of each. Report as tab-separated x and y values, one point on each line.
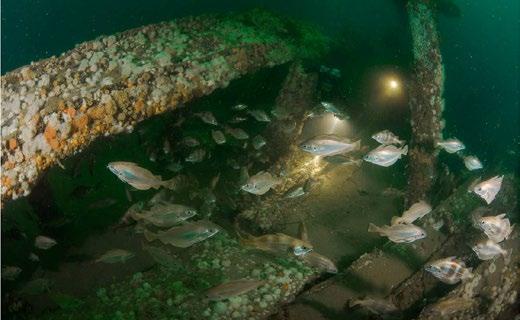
393	84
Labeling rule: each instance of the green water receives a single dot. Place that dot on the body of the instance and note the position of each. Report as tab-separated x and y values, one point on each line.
80	205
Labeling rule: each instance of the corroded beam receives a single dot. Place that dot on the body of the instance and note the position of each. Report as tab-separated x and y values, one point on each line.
56	107
426	102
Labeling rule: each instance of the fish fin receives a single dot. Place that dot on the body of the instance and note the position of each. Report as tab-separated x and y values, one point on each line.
452	258
373	228
501	216
404	150
395	220
150	236
507	254
510	230
356	145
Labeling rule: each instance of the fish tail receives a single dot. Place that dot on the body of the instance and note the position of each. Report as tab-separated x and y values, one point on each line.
357	145
395	220
169	184
404	150
373	228
150	236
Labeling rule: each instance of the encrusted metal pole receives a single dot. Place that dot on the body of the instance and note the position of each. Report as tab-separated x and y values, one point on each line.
57	106
426	103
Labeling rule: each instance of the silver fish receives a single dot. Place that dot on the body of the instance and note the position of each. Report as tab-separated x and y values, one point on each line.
447	307
207	117
36	286
488	249
239	107
385	155
259	115
162	256
137	177
329	145
186	235
376	306
233	163
166	215
237	119
416	211
175	166
294	192
319	262
472	163
33	257
190	142
44	243
387	137
237	133
451	145
393	192
196	156
497	228
260	183
233	288
399	233
218	136
258	142
116	256
488	189
10	273
330	107
167	148
449	270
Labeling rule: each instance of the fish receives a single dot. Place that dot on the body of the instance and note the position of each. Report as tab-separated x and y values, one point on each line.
260	183
449	270
399	233
190	142
258	142
259	115
451	145
153	156
386	137
130	214
343	160
44	243
162	257
294	192
166	214
237	119
497	228
278	243
319	262
416	211
329	145
218	136
116	256
196	156
102	203
237	133
36	286
137	177
310	184
10	273
472	163
175	166
233	288
488	189
207	117
186	235
232	163
393	192
167	148
448	307
239	107
375	306
214	181
330	107
489	249
385	155
34	257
